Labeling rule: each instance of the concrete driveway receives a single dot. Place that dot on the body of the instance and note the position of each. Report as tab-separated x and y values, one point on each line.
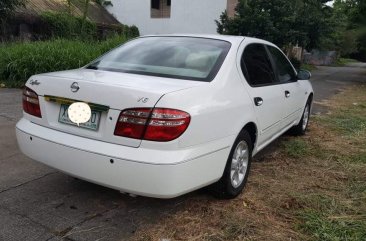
39	203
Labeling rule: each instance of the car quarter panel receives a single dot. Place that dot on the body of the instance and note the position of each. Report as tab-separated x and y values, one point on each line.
218	109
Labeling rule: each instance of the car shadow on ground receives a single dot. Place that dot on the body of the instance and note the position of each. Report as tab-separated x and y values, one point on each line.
102	210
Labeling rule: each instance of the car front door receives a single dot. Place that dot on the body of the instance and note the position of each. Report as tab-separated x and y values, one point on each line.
265	91
292	90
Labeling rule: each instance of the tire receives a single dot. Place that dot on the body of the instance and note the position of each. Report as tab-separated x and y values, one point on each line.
229	186
301	128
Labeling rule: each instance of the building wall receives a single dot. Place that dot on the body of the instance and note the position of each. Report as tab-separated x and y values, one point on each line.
187	16
231	5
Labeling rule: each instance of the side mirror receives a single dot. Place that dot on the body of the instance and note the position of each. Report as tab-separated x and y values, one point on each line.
303	74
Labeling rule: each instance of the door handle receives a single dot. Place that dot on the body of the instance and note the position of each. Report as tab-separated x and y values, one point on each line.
287	94
258	101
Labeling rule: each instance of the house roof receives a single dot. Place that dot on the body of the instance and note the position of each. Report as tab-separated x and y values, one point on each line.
96	12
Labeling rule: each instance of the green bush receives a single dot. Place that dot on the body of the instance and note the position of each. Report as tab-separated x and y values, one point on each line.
133	31
64	25
18	61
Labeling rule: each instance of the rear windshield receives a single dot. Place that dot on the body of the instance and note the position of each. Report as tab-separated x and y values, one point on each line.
173	57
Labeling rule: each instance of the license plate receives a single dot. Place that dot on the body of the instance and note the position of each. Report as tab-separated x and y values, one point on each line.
92	124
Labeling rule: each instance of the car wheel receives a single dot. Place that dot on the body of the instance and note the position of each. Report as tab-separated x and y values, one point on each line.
237	168
301	128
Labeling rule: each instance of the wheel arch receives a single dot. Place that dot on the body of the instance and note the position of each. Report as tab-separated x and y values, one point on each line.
252	129
310	100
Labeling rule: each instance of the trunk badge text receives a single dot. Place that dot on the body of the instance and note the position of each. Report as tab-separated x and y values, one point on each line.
142	99
34	82
75	87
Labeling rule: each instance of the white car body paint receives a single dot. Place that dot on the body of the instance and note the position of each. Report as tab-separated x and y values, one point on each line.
219	110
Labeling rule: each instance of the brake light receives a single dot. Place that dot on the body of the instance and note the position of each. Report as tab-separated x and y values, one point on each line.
158	124
166	124
131	123
31	102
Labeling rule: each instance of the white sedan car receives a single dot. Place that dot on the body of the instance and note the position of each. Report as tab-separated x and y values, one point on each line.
161	116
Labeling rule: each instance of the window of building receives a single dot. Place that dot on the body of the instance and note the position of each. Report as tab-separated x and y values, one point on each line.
160	8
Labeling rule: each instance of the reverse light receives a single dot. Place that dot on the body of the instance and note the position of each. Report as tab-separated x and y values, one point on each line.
31	102
153	124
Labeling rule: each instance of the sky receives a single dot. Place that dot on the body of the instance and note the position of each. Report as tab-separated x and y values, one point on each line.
330	3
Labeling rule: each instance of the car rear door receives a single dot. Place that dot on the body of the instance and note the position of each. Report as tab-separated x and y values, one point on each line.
265	91
292	90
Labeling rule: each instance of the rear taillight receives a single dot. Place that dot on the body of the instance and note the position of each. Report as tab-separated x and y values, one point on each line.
166	124
153	124
132	122
31	102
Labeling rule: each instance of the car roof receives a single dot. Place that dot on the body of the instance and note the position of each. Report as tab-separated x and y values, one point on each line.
230	38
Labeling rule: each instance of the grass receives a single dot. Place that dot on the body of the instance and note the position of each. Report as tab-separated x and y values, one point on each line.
358	158
339	63
350	121
308	67
309	188
344	217
337	228
295	147
344	61
18	61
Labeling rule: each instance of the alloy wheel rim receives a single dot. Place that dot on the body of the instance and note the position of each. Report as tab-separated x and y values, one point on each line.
305	118
239	164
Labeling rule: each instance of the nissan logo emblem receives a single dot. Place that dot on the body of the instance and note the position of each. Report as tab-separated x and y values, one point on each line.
75	87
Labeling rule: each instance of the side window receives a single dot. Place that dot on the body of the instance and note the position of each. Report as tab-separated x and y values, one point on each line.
285	72
256	65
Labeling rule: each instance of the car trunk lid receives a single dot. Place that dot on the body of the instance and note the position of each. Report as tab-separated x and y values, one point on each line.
106	92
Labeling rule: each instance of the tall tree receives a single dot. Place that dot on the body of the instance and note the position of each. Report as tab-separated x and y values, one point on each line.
280	21
352	29
7	8
358	24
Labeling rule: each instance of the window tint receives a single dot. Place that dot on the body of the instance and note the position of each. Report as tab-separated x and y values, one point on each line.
285	72
256	65
172	57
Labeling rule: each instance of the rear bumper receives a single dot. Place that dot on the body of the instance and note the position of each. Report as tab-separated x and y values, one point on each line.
146	172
